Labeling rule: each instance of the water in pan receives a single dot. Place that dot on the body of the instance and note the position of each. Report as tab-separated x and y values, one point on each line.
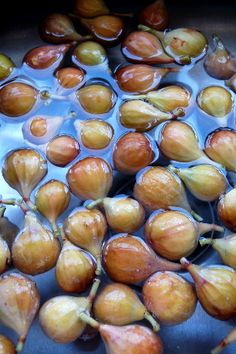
195	335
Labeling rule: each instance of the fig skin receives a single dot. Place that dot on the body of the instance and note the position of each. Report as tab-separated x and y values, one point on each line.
6	346
226	209
62	150
169	297
155	15
70	77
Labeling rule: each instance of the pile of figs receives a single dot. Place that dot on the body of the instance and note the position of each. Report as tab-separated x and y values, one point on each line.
126	122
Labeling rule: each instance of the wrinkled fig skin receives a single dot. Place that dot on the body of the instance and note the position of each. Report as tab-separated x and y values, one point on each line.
227	209
216	289
132	152
19	303
6	346
75	269
133	339
215	101
96	98
95	133
70	77
58	28
157	188
90	178
220	146
128	259
90	53
17	99
45	56
144	47
8	230
62	150
6	66
169	297
155	15
123	214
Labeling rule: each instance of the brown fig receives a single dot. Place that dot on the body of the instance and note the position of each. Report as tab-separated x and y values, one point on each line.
90	8
155	15
169	297
70	77
90	178
8	230
227	209
62	150
6	346
132	152
6	66
128	259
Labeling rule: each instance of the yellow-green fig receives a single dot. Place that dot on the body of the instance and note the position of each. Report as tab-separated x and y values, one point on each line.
6	66
90	53
216	101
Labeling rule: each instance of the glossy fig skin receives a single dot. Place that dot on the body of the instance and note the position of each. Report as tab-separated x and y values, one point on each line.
90	178
90	53
132	152
70	77
96	98
45	56
75	269
95	133
123	214
155	15
220	64
128	259
220	146
178	142
17	99
91	8
169	297
226	209
205	182
23	169
26	246
216	289
117	304
133	339
157	188
8	230
6	66
52	199
138	78
106	29
19	303
86	229
5	255
215	101
58	28
6	346
62	150
59	319
144	47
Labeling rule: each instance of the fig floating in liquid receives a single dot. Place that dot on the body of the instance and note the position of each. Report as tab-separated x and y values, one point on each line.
174	234
19	303
128	259
132	152
144	47
17	99
220	64
179	142
75	269
35	250
216	288
139	78
90	53
70	77
220	146
117	304
62	150
96	98
227	209
90	178
90	8
215	101
205	182
6	346
6	66
155	15
169	297
142	116
8	230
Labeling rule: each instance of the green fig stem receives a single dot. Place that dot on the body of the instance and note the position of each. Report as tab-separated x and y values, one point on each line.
8	201
94	289
20	203
134	97
89	320
204	228
173	169
99	265
205	241
158	34
196	216
55	229
31	205
185	59
94	203
46	95
20	344
2	211
154	323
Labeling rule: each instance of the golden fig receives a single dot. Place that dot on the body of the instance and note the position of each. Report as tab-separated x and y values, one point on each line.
70	77
62	150
6	66
6	346
227	209
216	101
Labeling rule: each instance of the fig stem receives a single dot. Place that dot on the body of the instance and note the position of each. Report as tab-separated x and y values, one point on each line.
219	348
196	216
62	233
135	97
154	323
158	34
173	169
2	211
20	344
94	289
99	265
46	95
205	241
89	320
29	203
94	203
8	201
185	263
55	229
